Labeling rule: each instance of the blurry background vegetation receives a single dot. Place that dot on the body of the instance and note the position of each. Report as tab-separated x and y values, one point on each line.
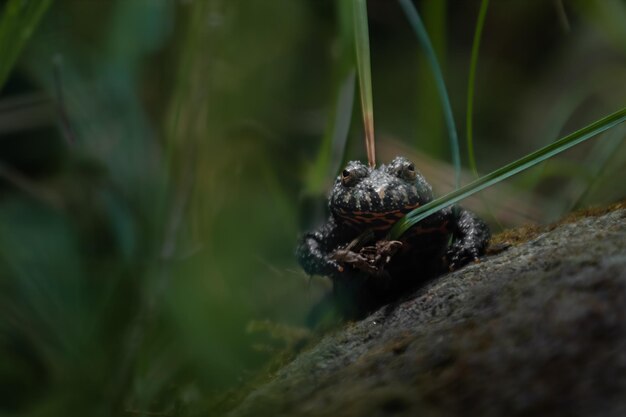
158	159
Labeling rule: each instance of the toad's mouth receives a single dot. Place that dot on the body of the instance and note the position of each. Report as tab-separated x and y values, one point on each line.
374	219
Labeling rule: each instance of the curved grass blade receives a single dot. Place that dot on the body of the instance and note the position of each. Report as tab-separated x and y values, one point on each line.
469	115
429	119
416	23
362	43
471	83
17	24
507	171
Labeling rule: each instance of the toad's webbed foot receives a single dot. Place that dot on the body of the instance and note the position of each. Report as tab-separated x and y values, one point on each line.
354	259
369	259
471	237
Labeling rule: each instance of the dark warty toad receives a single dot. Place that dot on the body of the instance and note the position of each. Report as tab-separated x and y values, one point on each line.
350	248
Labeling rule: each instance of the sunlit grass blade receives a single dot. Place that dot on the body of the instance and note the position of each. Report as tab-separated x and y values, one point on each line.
470	86
422	36
362	44
17	23
507	171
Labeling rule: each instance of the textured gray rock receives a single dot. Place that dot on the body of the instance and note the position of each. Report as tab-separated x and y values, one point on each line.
539	329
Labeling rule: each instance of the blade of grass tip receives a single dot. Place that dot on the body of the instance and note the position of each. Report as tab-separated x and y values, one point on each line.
507	171
470	86
17	24
418	27
362	44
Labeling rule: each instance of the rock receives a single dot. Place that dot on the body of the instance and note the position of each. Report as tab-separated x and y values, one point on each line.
537	330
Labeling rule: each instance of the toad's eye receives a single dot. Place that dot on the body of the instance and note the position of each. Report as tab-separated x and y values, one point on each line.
407	172
348	177
353	173
351	176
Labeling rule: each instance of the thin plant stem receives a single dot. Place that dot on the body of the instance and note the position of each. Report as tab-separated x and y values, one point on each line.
362	44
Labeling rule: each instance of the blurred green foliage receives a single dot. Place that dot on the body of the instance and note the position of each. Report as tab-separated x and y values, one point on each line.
158	159
18	22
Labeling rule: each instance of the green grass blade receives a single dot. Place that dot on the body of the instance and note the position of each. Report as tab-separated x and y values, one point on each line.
471	83
469	115
333	144
332	149
429	120
422	36
507	171
362	43
17	24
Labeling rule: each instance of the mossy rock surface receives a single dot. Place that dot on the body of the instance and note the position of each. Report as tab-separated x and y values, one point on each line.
537	330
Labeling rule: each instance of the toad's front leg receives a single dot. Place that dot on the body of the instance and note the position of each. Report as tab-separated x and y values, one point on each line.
316	248
471	237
